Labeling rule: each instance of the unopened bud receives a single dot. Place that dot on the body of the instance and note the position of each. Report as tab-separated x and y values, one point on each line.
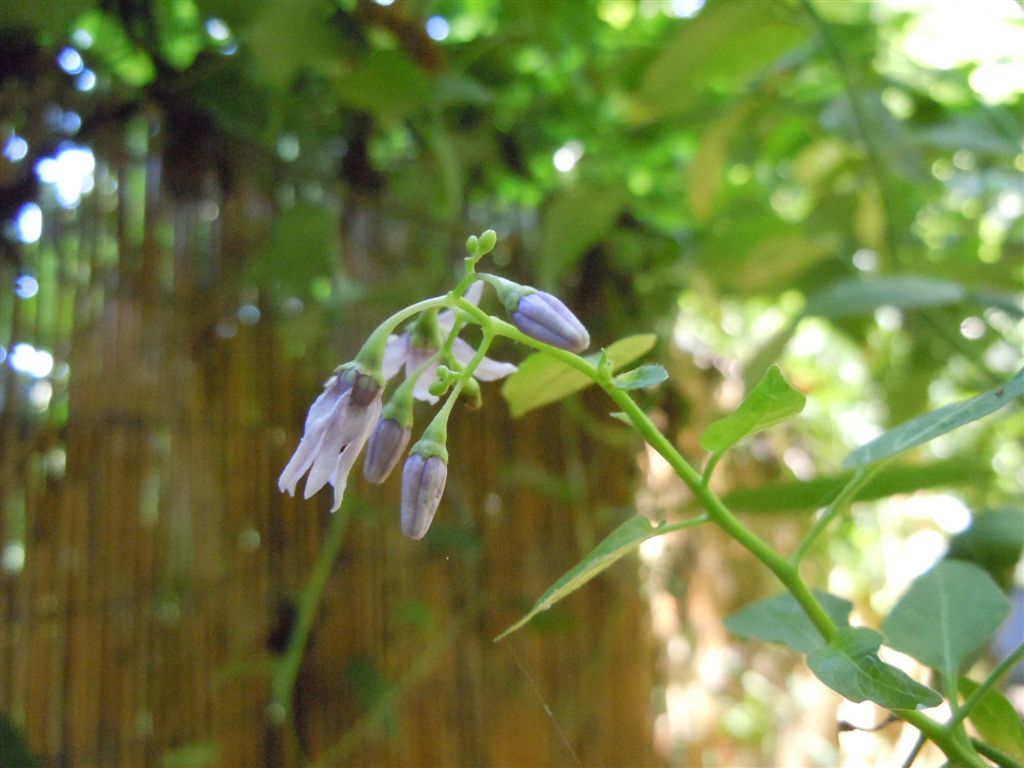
488	239
384	449
423	480
471	394
545	318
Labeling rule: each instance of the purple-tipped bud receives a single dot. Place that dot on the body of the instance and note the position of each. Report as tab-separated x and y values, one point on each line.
423	480
365	388
547	319
385	448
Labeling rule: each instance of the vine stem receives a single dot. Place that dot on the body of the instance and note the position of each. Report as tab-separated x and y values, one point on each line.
839	504
716	510
787	572
1002	669
282	684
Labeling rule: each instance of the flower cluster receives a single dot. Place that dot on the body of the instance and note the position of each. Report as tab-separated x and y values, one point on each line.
349	414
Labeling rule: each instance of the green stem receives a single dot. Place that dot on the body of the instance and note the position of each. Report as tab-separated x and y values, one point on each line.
717	513
958	752
1001	670
709	468
373	347
282	684
838	506
998	757
682	526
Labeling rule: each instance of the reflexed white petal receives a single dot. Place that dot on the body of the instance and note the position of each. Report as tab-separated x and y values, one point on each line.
421	390
344	426
326	455
334	390
341	469
327	407
298	464
395	353
492	370
474	292
488	370
417	357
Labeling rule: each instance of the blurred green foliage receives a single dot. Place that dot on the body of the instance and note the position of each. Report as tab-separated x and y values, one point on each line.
798	182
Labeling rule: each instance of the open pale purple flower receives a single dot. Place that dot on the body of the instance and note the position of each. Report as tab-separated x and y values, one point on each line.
337	427
411	350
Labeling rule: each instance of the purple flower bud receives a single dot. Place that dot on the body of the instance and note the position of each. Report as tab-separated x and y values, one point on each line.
547	319
386	446
423	480
365	388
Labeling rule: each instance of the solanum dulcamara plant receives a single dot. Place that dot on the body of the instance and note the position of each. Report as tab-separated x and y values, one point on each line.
424	341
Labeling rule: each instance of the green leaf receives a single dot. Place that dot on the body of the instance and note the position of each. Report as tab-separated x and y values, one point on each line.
301	249
287	38
707	172
862	296
386	83
996	720
644	376
850	666
939	422
773	400
723	47
543	379
14	747
619	543
794	495
780	619
574	221
994	541
948	612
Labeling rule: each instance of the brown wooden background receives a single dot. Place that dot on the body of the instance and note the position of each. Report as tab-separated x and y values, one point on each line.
161	563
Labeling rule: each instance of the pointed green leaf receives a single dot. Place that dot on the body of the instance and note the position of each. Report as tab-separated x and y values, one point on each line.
793	495
773	400
938	422
543	379
780	619
719	49
574	220
638	378
948	612
619	543
994	541
996	720
860	297
850	666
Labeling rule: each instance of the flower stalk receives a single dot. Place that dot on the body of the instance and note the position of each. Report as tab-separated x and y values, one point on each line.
340	421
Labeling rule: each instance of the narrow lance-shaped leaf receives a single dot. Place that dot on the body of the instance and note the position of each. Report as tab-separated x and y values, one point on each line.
861	296
996	720
773	400
543	379
947	613
938	422
792	495
850	666
780	619
619	543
